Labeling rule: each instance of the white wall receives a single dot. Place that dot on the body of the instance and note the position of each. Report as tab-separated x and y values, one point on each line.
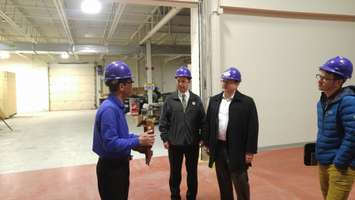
195	52
343	7
278	59
132	63
163	73
31	83
72	86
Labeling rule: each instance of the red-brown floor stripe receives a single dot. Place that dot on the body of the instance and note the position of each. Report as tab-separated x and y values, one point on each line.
275	175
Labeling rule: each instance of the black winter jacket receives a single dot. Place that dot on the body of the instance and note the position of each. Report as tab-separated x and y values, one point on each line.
179	127
242	129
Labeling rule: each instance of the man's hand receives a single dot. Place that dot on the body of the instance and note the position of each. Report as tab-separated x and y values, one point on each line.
249	158
146	139
166	145
141	149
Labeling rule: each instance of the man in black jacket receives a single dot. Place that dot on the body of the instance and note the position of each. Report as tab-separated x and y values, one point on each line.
231	136
180	124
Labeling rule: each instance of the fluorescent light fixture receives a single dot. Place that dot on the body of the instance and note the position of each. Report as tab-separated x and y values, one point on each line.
4	55
88	35
87	50
91	6
64	55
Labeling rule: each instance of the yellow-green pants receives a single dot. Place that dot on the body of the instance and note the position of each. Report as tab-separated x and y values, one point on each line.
335	184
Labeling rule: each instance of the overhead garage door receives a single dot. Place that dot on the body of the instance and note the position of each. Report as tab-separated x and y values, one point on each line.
71	86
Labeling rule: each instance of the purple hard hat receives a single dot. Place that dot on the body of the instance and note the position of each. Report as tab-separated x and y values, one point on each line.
183	71
117	70
231	73
338	65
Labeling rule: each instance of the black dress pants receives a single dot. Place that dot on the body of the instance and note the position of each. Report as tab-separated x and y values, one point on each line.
176	154
113	178
227	178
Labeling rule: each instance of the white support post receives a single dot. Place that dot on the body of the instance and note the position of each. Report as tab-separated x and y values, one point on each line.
149	82
195	52
216	67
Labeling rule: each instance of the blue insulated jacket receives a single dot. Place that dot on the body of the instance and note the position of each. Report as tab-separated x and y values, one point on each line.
111	136
336	129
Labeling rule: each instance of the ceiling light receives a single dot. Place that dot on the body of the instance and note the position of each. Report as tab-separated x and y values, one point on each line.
91	6
64	55
88	35
4	55
88	51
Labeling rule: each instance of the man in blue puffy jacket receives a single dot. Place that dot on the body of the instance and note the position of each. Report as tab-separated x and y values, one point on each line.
112	140
335	147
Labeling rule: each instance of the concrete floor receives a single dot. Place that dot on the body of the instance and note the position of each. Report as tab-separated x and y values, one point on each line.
53	139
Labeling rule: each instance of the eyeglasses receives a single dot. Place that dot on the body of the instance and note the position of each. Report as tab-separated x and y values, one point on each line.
183	81
323	78
229	81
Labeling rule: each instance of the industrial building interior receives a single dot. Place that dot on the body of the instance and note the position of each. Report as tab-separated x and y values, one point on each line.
53	55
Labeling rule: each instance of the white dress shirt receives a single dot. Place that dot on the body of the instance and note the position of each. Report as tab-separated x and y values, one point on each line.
223	117
187	96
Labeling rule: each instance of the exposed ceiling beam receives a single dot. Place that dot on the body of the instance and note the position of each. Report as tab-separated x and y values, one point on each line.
172	58
171	50
163	39
119	9
63	18
53	48
3	37
146	20
171	3
161	23
33	57
28	19
23	56
24	27
165	35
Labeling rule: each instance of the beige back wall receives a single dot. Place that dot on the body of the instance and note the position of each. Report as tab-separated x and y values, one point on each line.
72	86
278	59
345	7
163	73
31	83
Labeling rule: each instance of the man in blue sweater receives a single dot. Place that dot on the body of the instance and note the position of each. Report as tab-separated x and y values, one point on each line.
335	146
112	140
